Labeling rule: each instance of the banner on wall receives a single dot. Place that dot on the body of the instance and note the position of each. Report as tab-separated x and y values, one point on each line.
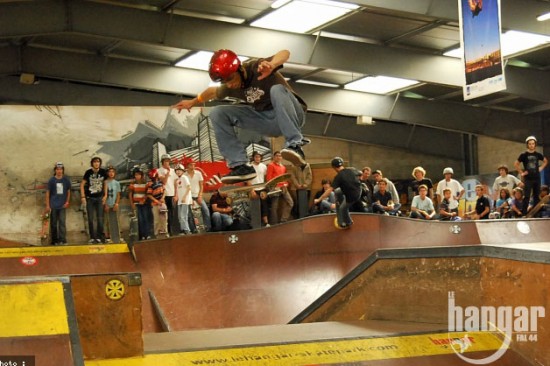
480	41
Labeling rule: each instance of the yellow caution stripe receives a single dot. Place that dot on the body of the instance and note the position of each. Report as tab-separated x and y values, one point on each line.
33	309
47	251
323	352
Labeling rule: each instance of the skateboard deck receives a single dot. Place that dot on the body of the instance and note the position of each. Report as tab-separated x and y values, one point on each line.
236	194
45	233
133	233
163	218
535	210
196	211
114	227
84	210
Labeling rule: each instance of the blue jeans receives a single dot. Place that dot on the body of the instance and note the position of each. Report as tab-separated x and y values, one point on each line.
58	227
221	221
145	220
94	210
205	217
183	211
285	119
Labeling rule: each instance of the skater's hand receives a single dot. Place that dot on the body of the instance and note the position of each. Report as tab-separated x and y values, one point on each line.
66	204
184	104
265	68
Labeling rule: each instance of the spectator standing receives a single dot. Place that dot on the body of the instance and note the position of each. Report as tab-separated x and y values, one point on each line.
456	189
93	196
529	167
58	195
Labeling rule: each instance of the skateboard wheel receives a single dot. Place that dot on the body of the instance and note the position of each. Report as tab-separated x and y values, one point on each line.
114	289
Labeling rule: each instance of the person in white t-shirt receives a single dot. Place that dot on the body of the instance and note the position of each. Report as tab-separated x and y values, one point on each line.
168	176
196	180
505	180
456	189
183	199
261	172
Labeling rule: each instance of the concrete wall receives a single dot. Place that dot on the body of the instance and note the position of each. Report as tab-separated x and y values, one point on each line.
394	163
492	152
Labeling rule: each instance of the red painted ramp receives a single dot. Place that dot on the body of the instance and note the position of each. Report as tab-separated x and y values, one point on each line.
255	277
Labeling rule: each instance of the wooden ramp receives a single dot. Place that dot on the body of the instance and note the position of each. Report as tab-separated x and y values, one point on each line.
340	343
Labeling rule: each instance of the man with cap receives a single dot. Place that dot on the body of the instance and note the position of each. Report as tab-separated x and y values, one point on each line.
271	108
457	191
506	181
348	189
529	169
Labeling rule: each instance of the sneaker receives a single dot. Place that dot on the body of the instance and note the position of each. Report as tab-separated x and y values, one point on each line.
305	141
241	173
98	241
294	154
91	241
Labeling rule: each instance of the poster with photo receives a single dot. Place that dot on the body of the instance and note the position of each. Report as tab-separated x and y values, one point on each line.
480	41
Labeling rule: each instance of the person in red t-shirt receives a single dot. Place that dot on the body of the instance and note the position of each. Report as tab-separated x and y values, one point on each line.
275	169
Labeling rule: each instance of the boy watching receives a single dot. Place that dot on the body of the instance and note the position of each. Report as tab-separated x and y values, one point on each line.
58	195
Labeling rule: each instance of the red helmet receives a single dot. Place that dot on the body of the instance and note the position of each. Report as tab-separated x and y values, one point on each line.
222	64
153	173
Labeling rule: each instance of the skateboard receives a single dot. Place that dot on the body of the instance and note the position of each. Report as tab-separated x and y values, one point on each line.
163	218
114	230
85	218
45	233
133	233
537	208
342	214
236	194
196	211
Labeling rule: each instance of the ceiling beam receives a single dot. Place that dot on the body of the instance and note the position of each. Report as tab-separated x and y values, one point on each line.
121	23
132	75
516	14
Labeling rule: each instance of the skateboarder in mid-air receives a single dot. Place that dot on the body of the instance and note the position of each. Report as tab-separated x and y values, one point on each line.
272	108
348	191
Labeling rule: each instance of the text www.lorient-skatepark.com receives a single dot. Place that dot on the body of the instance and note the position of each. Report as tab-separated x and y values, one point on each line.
292	356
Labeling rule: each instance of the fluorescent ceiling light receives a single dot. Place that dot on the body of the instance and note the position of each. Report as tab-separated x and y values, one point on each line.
301	16
200	60
512	42
379	84
318	83
543	17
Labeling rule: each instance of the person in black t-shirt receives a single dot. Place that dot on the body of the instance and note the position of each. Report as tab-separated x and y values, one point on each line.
348	190
271	108
93	196
483	206
530	174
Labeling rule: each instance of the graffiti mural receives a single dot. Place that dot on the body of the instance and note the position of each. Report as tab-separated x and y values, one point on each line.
34	138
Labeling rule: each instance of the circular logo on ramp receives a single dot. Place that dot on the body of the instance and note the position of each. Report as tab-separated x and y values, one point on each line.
114	289
233	239
523	227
